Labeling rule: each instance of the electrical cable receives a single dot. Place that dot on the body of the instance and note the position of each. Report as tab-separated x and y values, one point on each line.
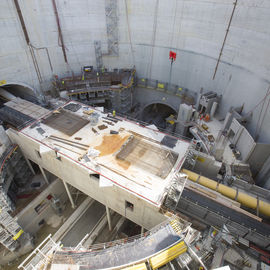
129	35
174	19
258	122
259	102
266	109
153	38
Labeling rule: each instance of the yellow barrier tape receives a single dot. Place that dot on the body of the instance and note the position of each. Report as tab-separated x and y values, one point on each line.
18	235
3	82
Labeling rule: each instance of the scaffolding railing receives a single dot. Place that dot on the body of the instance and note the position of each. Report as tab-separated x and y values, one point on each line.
41	257
101	246
184	93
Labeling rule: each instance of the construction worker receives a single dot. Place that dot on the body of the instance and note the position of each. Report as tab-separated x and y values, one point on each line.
103	69
113	113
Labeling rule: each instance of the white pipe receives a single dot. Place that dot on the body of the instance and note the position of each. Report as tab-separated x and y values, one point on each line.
5	94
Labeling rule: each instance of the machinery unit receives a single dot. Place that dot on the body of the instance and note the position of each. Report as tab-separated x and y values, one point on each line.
208	103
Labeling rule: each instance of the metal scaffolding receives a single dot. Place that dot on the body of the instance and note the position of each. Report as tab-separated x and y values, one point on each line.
10	230
98	53
112	26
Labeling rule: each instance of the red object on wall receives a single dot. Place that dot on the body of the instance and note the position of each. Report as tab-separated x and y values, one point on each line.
172	55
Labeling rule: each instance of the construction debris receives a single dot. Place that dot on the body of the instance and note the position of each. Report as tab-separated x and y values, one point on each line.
101	127
74	107
94	130
109	123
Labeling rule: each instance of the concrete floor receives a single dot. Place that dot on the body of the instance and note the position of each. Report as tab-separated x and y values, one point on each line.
84	225
107	235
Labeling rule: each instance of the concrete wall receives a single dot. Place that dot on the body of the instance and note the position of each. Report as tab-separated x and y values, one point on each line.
258	158
115	197
29	218
242	140
147	97
148	30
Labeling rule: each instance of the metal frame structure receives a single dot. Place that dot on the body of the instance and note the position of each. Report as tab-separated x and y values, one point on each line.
112	26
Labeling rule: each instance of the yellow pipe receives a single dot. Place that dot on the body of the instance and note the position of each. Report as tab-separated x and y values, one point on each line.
243	198
140	266
168	255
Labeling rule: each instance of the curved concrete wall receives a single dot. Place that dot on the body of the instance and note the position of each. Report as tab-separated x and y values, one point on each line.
147	31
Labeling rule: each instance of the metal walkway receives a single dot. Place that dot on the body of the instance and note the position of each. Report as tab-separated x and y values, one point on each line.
140	249
212	212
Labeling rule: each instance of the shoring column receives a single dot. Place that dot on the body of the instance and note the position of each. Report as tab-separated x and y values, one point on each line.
30	166
69	195
109	217
44	175
142	231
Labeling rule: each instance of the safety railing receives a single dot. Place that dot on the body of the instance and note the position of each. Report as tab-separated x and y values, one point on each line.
101	246
41	256
182	92
146	125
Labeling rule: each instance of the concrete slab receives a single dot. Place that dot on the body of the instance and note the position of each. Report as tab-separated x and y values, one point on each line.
84	225
134	158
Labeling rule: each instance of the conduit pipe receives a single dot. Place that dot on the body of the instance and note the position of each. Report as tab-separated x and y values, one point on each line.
243	198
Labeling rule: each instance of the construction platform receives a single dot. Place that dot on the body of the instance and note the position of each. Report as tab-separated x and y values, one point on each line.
116	150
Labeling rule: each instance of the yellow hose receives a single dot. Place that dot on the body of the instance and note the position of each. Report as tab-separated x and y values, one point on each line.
243	198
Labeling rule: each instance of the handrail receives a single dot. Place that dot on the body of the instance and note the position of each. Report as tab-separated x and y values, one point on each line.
144	259
99	246
146	125
34	251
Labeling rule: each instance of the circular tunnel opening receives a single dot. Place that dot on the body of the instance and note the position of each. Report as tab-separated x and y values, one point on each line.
161	115
9	91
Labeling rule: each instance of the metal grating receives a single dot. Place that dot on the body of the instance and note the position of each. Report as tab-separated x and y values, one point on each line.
65	122
14	117
147	156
